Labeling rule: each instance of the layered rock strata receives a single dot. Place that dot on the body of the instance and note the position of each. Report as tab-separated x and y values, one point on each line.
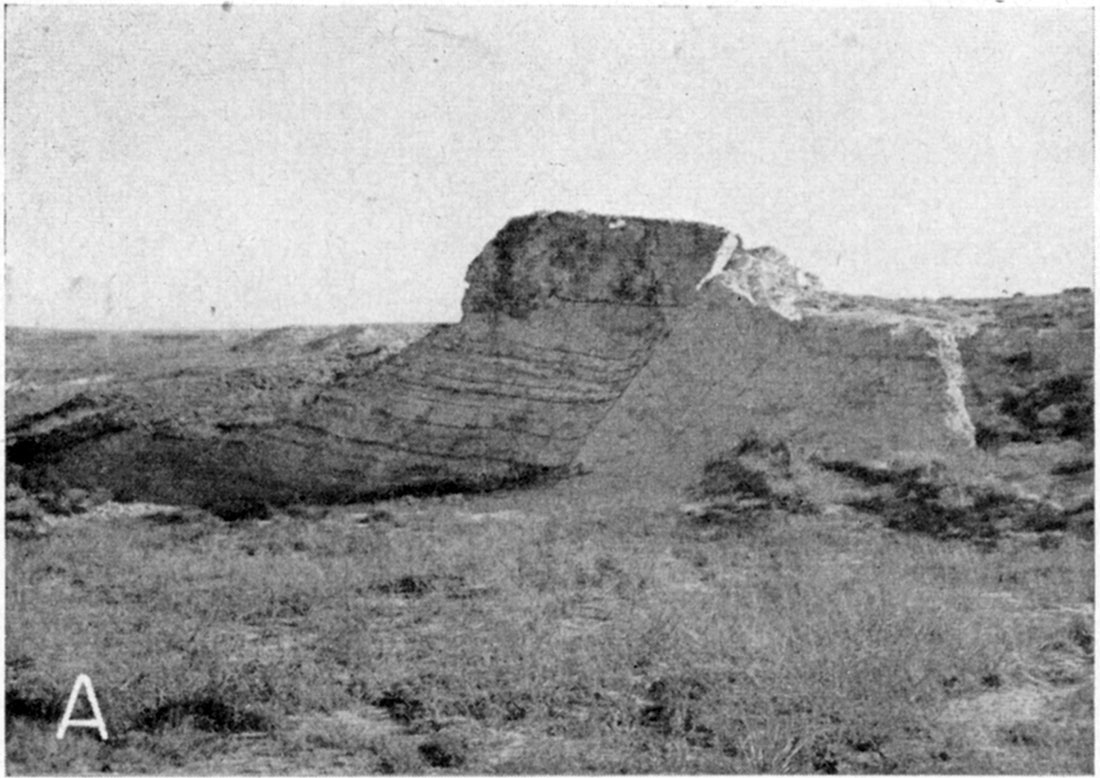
585	339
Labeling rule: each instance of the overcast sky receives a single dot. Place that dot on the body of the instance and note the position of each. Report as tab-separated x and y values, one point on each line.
190	166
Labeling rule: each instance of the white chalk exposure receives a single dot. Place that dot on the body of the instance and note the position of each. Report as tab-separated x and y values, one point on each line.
767	278
947	353
762	276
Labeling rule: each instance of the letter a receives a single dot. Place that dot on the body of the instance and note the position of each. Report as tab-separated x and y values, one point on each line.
67	721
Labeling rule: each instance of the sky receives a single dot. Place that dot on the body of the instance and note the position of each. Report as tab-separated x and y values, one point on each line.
204	167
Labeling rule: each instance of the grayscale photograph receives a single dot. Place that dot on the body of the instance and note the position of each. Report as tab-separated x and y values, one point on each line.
549	389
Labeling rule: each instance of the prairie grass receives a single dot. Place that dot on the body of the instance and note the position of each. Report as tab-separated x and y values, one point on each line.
539	632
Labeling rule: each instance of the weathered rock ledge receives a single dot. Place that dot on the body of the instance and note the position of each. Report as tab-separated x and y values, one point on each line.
634	347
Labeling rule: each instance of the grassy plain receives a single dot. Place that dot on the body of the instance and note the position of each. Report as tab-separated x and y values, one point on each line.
563	629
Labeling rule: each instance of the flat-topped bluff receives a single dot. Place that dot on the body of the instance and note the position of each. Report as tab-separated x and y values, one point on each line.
637	347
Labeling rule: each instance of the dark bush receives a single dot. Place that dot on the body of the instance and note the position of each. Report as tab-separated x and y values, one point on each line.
239	508
1069	393
674	706
1042	520
445	750
1072	467
723	477
207	712
746	467
36	704
1080	632
400	702
407	586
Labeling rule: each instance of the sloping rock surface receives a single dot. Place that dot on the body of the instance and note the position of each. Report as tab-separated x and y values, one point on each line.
562	311
633	347
846	388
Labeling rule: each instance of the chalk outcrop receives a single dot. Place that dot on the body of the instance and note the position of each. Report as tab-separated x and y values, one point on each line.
762	276
586	341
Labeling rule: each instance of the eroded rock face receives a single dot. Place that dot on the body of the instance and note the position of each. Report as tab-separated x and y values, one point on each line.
847	387
584	339
561	312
